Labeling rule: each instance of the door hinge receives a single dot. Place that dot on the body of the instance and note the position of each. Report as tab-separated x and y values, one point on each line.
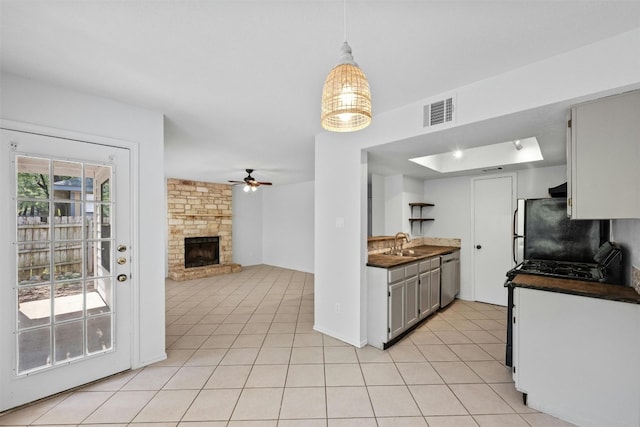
569	123
514	369
569	201
388	330
514	320
389	293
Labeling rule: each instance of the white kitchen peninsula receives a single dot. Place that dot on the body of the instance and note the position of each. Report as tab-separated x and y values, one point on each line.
577	357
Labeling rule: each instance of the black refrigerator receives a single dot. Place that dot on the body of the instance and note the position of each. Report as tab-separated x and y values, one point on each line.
542	230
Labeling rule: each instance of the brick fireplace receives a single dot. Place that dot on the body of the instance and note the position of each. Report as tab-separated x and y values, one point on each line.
200	211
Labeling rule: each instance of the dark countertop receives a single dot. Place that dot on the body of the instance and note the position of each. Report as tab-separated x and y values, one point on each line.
577	287
420	252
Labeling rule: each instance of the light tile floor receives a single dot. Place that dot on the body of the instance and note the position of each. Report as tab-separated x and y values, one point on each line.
242	352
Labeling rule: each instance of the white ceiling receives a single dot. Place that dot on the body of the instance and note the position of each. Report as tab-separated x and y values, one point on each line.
240	82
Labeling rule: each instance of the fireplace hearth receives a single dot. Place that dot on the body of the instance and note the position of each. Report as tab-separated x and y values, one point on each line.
201	251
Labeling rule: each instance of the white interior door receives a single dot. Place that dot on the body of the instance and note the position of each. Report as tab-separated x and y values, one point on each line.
65	297
493	210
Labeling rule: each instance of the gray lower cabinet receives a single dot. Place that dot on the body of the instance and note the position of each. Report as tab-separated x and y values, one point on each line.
406	294
429	286
411	301
396	309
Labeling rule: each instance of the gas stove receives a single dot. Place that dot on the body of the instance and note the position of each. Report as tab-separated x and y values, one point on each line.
564	269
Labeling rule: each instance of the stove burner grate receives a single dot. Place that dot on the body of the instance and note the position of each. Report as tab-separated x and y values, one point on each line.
564	269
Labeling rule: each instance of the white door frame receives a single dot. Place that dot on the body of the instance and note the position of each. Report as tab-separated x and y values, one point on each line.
133	283
514	200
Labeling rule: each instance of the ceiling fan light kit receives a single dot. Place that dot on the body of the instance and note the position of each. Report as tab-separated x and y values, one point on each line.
250	183
346	98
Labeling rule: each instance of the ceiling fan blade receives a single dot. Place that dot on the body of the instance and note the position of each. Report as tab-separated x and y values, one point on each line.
250	181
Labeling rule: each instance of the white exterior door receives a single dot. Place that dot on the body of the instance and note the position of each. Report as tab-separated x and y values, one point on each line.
493	209
65	294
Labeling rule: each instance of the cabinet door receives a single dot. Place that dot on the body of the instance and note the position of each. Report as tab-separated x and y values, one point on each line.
396	309
411	301
425	294
605	154
434	289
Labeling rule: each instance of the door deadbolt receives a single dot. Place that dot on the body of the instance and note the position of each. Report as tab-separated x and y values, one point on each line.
122	248
122	277
121	260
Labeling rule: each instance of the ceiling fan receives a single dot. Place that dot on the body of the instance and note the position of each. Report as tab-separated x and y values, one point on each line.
250	183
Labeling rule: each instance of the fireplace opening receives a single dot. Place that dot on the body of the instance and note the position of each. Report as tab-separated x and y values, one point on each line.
201	251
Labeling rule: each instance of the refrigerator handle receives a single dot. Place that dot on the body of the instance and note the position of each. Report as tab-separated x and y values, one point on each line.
516	236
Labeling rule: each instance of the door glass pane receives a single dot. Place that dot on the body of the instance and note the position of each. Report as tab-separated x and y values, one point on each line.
34	306
98	258
104	230
34	348
67	181
69	301
69	340
33	182
99	296
33	262
99	333
99	174
67	263
63	247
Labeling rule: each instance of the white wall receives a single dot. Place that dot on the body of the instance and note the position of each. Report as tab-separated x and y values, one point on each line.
452	214
247	229
412	192
340	253
340	238
54	107
377	205
274	226
288	226
399	191
535	183
393	212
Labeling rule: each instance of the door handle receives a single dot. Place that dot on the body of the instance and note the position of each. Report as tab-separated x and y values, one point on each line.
478	246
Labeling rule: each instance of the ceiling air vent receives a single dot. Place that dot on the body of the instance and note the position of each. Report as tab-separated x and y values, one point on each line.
438	112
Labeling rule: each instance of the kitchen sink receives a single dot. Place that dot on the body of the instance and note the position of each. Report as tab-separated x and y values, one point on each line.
405	253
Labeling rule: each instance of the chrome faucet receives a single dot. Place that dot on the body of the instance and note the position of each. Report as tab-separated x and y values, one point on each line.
400	235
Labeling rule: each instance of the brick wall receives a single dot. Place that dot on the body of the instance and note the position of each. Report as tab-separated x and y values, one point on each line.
198	209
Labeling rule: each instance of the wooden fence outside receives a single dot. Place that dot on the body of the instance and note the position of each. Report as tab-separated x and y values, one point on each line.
34	247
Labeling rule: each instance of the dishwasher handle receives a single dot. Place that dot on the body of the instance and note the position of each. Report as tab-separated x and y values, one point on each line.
450	257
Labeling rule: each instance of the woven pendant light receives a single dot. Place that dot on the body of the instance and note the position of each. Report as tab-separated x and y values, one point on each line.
346	99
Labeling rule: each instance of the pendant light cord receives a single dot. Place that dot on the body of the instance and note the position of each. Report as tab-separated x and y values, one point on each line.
344	18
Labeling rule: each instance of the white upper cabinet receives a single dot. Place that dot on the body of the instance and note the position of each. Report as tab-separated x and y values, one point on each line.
603	158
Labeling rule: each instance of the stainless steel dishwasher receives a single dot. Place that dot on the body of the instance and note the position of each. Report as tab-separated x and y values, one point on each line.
450	278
